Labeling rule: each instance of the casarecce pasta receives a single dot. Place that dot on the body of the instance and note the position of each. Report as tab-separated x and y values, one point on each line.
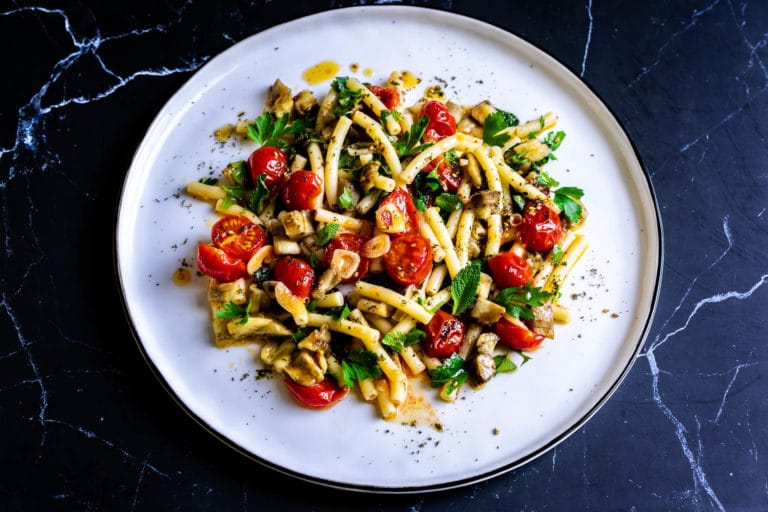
365	243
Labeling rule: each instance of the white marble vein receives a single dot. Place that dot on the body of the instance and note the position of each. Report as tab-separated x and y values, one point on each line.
143	464
695	460
692	22
30	136
589	38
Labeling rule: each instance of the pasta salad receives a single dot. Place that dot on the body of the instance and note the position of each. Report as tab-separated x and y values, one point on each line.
365	242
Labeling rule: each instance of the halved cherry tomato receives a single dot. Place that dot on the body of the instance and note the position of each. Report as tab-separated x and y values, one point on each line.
397	215
445	334
218	264
318	395
409	260
349	242
450	178
237	236
541	228
441	121
388	95
517	335
510	270
296	274
302	190
271	161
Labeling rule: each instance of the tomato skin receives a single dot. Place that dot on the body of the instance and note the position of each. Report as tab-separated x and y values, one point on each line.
302	190
401	202
449	178
269	160
237	236
296	274
541	228
317	396
389	96
409	260
510	270
441	121
517	336
445	334
349	242
219	265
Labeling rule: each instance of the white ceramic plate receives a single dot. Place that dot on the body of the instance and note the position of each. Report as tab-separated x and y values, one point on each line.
517	416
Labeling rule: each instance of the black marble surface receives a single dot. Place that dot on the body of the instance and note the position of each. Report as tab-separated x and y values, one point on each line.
86	426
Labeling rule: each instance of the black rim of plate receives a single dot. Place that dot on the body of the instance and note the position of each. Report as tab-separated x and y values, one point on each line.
514	464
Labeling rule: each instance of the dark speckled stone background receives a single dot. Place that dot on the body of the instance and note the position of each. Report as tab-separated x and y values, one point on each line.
86	426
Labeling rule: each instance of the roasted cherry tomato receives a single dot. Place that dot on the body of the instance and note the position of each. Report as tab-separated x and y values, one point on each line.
541	228
316	396
302	190
296	274
397	215
271	161
445	334
510	270
218	264
517	335
409	260
349	242
450	178
441	121
388	95
237	236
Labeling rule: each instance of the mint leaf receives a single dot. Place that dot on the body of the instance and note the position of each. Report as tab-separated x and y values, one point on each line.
494	124
359	365
464	287
566	198
326	234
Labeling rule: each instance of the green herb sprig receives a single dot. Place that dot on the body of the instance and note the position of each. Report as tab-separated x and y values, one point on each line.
464	287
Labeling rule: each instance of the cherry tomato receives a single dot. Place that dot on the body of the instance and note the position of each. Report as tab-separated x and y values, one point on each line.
409	260
397	214
541	228
349	242
296	274
450	179
318	395
388	95
441	121
237	236
218	264
302	190
271	161
445	334
517	335
510	270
